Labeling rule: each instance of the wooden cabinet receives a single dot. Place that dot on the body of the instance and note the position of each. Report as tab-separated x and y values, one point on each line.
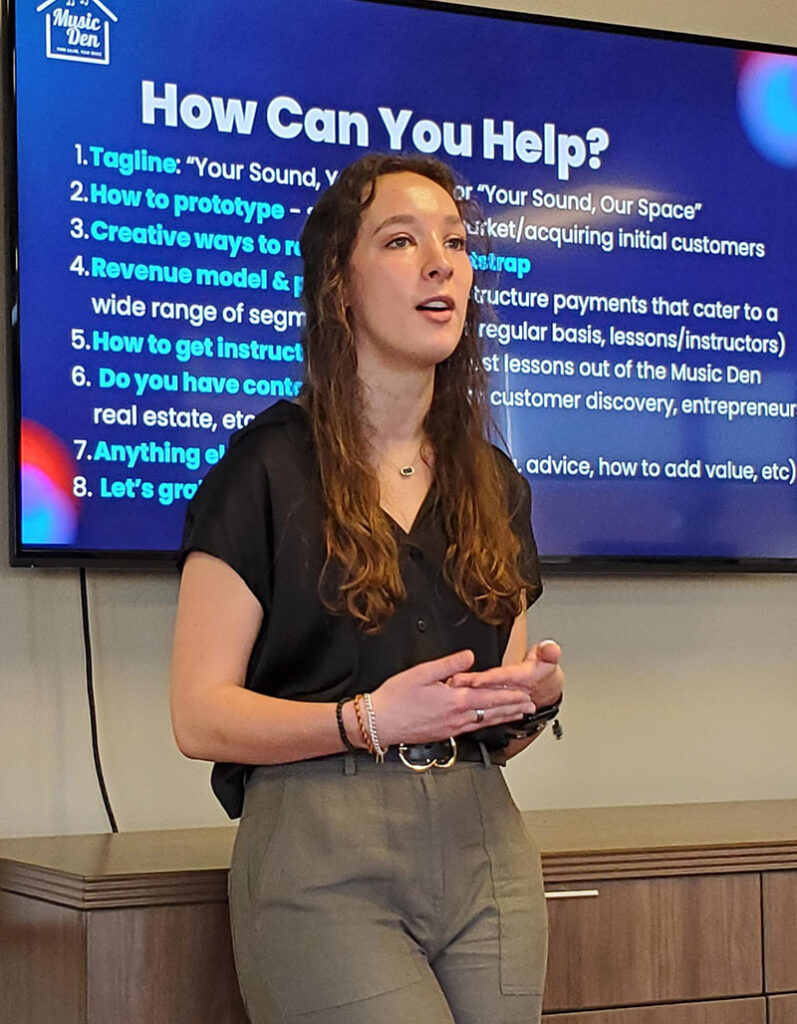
780	931
121	929
41	968
655	940
782	1009
169	964
693	918
690	918
719	1011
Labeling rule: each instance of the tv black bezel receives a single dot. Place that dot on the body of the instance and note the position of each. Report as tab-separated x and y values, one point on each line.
52	556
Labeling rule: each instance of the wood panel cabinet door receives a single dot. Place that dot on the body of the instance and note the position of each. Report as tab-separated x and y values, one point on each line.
780	931
655	940
783	1009
724	1011
162	965
42	962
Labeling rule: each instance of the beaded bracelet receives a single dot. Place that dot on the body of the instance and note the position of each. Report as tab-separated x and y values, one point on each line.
378	750
347	743
366	737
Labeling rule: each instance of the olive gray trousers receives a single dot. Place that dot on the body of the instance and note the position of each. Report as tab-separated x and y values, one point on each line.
369	894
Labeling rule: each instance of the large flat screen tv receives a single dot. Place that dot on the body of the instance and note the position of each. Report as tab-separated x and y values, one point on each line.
638	246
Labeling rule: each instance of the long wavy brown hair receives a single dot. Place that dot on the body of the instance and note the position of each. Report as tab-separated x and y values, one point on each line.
361	575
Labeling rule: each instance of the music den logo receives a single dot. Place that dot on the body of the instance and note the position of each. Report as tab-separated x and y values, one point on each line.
78	30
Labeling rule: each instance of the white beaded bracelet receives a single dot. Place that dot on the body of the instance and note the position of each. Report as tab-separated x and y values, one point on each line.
379	751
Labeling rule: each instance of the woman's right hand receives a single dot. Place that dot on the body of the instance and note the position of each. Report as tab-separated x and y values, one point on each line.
417	705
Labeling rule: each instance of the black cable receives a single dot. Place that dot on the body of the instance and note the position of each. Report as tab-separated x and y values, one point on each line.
95	745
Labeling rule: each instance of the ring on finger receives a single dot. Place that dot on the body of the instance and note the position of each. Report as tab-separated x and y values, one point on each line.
479	716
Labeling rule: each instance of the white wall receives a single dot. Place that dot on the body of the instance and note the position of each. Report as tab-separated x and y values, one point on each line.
678	689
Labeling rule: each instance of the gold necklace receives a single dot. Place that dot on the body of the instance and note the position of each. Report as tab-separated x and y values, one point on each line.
408	469
405	471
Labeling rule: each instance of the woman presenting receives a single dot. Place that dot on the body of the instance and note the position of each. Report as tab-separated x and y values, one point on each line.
350	644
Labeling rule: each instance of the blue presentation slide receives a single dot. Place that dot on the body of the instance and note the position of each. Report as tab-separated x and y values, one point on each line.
637	247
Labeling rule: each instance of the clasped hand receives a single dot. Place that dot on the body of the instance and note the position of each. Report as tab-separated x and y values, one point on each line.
437	699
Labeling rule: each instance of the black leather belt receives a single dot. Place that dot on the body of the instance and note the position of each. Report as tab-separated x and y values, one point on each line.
420	757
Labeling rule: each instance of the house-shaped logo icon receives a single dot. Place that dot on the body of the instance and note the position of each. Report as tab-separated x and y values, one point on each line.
78	30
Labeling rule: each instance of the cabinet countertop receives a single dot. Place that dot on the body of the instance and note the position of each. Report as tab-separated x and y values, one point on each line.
189	865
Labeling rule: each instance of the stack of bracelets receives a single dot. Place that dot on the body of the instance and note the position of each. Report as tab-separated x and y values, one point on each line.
366	719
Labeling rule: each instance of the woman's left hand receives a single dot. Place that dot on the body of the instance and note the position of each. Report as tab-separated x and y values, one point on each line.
539	674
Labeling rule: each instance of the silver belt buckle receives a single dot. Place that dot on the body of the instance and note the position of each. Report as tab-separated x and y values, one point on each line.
434	763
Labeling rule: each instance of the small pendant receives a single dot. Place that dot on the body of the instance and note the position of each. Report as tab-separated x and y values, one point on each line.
407	470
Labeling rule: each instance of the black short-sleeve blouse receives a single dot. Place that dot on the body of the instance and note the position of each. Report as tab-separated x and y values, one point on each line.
260	511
